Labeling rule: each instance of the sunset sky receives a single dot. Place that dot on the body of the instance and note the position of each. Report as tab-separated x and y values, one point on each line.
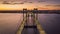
30	4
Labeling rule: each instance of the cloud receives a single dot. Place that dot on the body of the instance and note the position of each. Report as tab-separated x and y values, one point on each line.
42	8
53	5
41	1
31	1
53	0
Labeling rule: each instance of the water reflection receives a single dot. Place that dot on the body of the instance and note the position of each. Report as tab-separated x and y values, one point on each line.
10	22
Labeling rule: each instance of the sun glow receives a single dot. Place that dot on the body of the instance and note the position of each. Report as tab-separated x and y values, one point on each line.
28	6
15	7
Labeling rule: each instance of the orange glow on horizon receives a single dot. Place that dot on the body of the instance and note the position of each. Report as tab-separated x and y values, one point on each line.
20	7
15	7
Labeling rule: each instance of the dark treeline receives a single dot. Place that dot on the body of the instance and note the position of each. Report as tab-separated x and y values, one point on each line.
33	11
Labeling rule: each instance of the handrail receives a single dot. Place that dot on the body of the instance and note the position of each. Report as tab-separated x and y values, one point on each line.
39	27
19	31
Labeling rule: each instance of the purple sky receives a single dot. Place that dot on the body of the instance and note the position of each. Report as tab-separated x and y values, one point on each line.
45	4
41	1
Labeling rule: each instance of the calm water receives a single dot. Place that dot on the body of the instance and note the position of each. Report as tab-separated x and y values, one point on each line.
9	23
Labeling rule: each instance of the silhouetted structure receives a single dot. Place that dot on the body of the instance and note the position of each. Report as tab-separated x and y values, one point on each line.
24	9
35	8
